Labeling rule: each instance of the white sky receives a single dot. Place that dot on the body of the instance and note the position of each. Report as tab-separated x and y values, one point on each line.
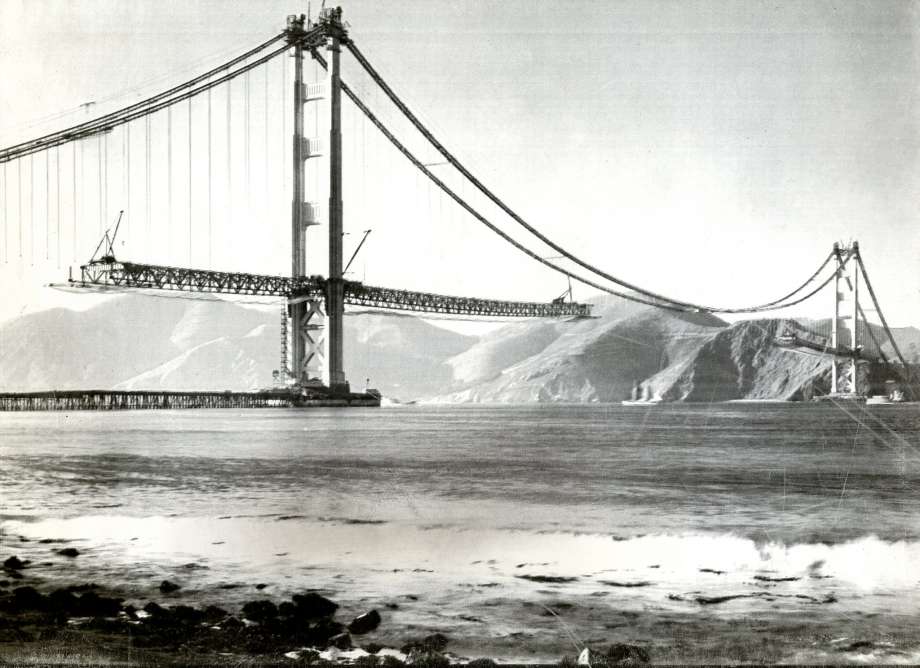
710	150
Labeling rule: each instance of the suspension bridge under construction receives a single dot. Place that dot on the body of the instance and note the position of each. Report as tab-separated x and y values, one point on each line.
311	355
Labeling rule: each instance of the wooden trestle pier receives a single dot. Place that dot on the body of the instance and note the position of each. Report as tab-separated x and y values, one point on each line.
103	400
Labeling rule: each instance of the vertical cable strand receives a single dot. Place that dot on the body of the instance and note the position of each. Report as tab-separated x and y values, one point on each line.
266	69
147	197
105	191
57	210
229	154
6	254
127	204
190	180
32	209
47	203
73	198
19	204
168	181
209	181
99	179
246	164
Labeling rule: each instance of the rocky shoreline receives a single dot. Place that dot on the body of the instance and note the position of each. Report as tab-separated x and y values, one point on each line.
88	623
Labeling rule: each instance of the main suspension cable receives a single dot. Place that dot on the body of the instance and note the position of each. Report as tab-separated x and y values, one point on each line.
105	127
121	115
881	317
669	305
559	249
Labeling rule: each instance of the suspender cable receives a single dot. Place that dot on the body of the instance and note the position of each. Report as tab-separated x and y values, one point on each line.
31	209
247	166
190	180
209	178
266	71
6	245
147	180
504	207
284	106
57	207
73	196
124	162
284	135
47	203
168	180
229	155
126	207
105	182
99	180
19	206
127	113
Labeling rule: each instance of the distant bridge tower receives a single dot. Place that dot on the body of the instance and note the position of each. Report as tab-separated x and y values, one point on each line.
845	340
317	324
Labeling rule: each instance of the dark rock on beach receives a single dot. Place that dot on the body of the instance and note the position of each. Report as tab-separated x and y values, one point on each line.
69	552
28	598
313	606
155	610
341	641
27	614
364	623
436	642
214	614
621	654
14	563
259	611
86	586
167	587
428	660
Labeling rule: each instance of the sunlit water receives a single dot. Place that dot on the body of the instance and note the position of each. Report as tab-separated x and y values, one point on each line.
802	510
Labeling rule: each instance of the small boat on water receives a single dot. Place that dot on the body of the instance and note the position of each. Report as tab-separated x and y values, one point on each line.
896	397
640	402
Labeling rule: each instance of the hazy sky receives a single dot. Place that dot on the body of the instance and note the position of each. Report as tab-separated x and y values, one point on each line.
710	150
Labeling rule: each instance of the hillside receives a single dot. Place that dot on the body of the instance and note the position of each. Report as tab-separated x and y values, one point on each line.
144	342
670	355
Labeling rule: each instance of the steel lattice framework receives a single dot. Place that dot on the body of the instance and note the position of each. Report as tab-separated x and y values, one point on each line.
160	277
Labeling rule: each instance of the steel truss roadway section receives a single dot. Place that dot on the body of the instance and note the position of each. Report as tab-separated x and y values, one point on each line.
159	277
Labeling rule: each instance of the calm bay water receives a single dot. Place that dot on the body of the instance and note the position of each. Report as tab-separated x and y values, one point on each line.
428	499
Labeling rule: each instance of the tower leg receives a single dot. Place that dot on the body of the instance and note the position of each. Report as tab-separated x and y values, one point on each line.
335	292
